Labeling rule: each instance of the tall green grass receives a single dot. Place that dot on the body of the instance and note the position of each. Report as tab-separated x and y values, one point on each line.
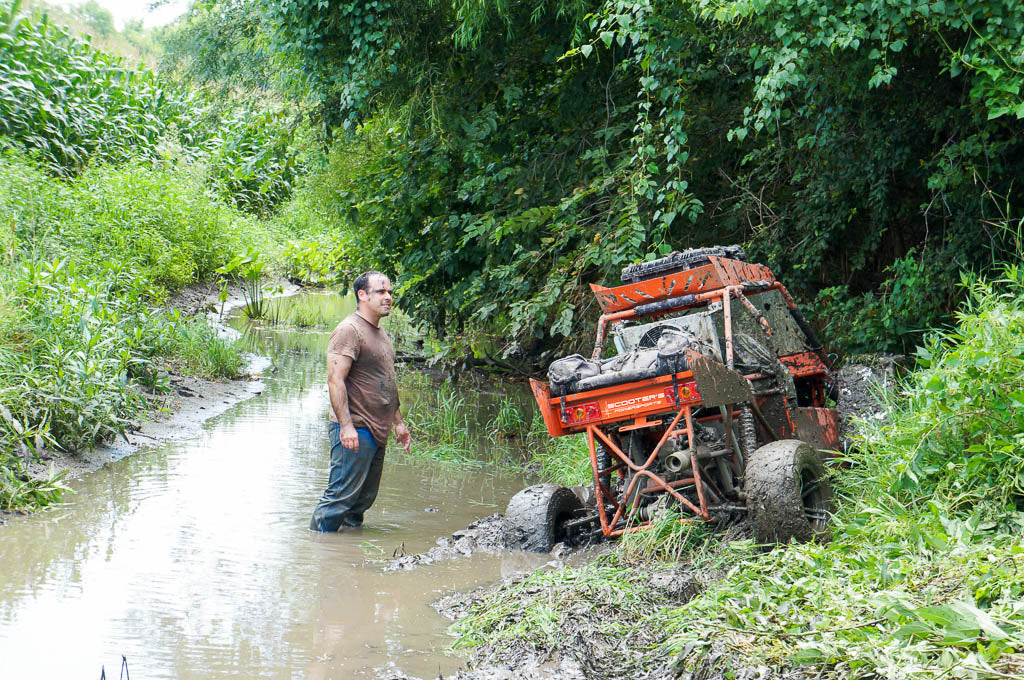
439	420
562	460
86	266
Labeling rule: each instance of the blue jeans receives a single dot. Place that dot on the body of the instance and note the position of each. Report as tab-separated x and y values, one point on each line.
353	482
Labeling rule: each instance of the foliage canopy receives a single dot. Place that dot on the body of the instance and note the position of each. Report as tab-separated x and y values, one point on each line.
514	151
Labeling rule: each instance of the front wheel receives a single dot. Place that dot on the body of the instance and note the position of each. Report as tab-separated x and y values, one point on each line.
538	515
789	497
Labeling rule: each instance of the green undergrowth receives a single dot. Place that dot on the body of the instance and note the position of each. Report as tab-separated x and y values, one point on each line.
459	426
85	268
562	460
923	577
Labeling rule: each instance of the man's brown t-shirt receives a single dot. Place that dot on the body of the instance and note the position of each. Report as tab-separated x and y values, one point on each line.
371	386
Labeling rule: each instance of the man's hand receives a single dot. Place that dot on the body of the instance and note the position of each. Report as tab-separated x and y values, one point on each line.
349	437
403	437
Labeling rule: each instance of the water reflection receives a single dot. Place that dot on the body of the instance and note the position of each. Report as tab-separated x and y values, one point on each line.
195	561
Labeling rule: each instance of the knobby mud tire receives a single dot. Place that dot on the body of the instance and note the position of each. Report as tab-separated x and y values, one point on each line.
537	515
789	497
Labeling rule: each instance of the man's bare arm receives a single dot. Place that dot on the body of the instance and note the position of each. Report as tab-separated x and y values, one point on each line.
338	366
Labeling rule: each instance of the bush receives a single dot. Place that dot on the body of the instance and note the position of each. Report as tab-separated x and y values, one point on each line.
83	339
958	430
21	493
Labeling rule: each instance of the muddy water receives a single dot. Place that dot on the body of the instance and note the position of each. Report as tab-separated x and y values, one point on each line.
194	559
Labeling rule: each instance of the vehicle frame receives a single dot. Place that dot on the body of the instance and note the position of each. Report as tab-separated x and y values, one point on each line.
748	409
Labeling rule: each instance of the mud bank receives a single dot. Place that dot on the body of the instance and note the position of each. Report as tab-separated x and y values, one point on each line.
584	646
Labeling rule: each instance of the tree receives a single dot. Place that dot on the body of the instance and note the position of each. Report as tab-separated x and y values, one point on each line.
98	18
513	152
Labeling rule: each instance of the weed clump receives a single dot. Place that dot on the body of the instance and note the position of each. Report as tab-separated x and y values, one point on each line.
440	425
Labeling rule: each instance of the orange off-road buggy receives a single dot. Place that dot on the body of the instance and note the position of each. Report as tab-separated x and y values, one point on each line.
714	403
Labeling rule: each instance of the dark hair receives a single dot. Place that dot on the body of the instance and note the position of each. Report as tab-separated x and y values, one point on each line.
362	281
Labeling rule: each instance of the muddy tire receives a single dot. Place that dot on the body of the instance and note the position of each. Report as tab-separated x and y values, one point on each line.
537	515
789	497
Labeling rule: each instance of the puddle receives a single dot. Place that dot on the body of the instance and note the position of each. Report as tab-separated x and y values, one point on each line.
194	559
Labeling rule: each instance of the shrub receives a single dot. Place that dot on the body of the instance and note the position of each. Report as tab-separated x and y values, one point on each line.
958	430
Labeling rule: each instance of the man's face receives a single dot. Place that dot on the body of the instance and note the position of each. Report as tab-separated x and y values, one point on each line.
378	298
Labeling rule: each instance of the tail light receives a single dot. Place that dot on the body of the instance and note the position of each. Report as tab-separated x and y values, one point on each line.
687	392
581	413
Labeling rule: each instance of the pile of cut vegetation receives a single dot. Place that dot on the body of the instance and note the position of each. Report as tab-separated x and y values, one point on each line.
923	576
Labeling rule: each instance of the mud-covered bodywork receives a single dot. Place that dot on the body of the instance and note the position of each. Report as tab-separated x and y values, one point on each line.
712	361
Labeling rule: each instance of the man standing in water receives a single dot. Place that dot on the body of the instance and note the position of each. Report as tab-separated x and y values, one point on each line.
364	407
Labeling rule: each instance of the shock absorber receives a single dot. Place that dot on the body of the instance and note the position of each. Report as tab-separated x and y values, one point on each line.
748	431
604	461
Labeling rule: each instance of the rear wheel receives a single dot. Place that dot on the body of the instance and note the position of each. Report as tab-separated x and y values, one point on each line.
538	515
789	497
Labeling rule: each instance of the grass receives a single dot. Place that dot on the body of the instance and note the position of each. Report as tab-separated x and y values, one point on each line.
667	539
923	578
304	312
439	420
202	351
445	428
562	460
85	268
508	422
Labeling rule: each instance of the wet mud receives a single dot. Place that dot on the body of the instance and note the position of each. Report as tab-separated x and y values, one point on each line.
859	385
491	534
